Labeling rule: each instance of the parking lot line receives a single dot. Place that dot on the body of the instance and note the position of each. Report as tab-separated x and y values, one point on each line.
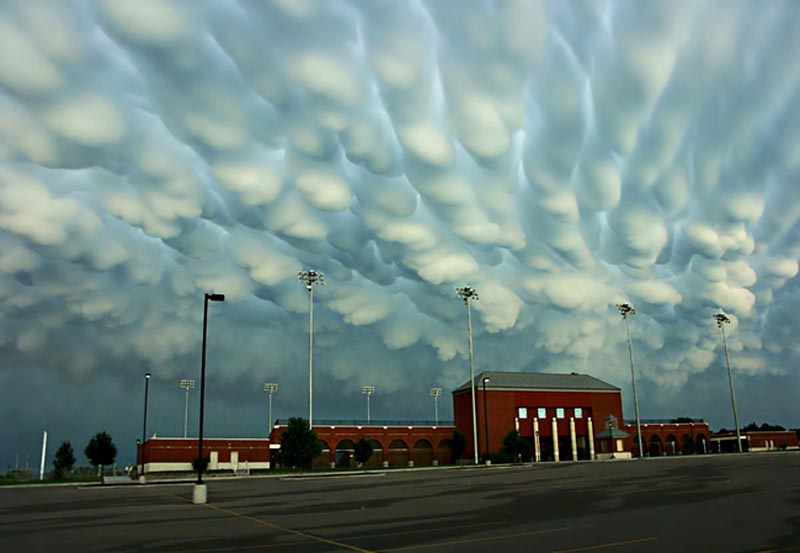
275	526
473	540
606	545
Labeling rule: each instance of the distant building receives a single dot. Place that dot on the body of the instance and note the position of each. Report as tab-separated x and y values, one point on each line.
755	440
565	417
177	454
394	443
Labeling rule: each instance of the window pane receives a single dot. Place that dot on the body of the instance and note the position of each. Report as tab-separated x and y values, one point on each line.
560	412
578	413
542	413
522	412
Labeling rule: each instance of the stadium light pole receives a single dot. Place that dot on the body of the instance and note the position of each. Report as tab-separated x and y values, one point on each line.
200	490
309	279
186	384
467	294
144	424
485	416
368	391
435	393
270	388
723	320
626	310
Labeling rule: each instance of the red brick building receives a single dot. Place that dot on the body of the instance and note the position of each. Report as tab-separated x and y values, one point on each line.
393	444
562	416
565	417
755	440
177	454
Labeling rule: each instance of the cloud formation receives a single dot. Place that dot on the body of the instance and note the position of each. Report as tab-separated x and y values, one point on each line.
560	158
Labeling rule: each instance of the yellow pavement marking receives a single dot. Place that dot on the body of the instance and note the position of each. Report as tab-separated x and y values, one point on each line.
606	545
474	540
289	530
422	530
277	526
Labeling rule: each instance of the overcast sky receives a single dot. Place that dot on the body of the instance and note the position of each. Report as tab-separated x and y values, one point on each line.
560	157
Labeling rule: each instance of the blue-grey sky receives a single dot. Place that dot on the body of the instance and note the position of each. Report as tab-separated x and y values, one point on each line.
560	157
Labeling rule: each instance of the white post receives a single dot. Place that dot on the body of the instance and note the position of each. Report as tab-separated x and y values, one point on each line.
44	454
591	437
554	427
537	447
572	438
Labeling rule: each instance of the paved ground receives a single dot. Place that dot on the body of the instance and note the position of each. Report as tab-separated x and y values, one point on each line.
705	504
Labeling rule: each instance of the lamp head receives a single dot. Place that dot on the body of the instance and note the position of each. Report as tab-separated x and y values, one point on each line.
215	297
147	376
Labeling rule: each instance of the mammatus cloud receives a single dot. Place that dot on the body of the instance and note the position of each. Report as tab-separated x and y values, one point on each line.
560	158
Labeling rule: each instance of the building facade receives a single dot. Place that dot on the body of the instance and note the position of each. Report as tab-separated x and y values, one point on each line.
177	454
393	444
565	417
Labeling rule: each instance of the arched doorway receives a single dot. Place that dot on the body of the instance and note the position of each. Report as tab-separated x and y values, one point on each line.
701	443
398	453
444	452
422	454
672	444
345	453
687	445
324	459
377	455
655	446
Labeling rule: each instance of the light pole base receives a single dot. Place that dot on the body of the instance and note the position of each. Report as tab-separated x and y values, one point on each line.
200	494
142	479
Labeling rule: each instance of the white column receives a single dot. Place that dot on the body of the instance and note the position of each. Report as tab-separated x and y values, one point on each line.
591	437
516	424
572	438
537	447
554	427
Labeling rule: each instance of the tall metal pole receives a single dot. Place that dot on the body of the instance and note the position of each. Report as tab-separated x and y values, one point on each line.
144	425
468	293
368	390
202	395
436	392
309	279
206	299
485	417
722	320
270	388
186	384
626	309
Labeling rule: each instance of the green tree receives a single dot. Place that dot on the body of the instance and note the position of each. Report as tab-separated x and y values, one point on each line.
299	445
362	450
64	460
101	450
516	446
459	445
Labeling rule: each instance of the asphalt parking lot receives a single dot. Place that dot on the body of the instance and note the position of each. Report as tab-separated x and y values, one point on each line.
747	503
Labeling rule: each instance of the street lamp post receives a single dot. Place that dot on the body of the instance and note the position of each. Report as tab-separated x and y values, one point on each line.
368	391
270	388
467	293
309	279
200	490
436	392
626	310
723	320
186	384
485	416
144	424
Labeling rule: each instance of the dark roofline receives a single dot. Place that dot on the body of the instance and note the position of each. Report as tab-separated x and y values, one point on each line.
544	382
